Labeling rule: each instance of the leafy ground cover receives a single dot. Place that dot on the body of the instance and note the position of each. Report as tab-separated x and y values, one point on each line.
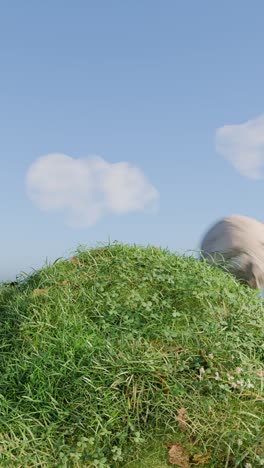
125	356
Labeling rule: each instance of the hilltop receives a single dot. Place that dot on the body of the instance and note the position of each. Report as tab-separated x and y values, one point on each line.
125	356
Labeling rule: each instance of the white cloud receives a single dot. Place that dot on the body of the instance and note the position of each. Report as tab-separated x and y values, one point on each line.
84	190
243	146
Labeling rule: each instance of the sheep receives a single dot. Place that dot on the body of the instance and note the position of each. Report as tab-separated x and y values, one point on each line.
237	244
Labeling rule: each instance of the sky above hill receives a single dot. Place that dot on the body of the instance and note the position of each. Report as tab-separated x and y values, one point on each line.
137	121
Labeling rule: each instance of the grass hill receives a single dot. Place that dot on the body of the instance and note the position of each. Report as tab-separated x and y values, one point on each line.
131	357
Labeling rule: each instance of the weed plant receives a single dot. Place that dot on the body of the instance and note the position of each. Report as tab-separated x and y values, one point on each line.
113	356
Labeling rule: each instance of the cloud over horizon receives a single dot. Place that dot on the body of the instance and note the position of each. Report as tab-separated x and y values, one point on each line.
86	189
243	146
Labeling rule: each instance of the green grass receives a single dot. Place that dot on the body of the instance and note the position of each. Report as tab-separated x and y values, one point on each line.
99	355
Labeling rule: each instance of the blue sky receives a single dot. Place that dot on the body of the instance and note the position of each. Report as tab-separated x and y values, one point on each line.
173	90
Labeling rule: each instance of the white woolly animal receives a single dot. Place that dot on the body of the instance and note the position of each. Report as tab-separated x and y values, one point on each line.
237	243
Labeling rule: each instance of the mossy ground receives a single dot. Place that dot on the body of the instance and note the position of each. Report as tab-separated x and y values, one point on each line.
108	358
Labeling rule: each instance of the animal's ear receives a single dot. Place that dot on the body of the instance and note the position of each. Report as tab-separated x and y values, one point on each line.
255	277
253	283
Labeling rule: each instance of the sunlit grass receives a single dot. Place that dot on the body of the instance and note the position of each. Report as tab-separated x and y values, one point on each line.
99	354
